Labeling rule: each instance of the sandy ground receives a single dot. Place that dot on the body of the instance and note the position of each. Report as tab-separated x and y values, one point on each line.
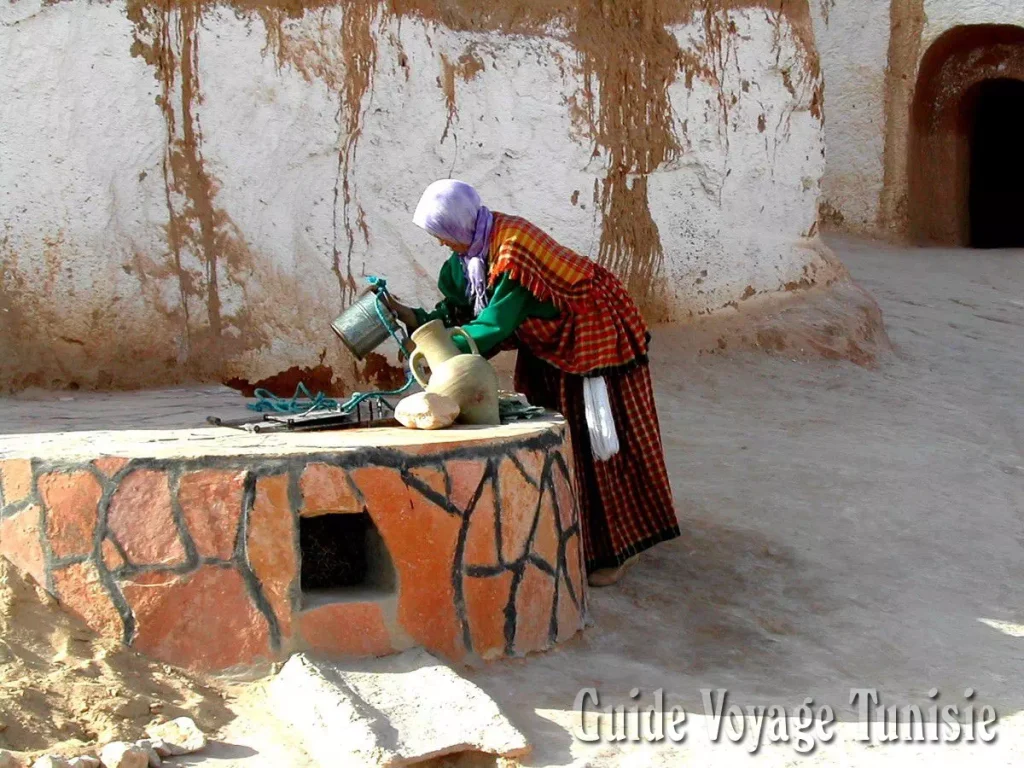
844	528
65	690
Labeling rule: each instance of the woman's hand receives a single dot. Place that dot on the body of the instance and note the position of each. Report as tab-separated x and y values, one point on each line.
404	314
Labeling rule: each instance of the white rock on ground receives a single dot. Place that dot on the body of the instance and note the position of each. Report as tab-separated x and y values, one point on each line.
122	754
390	712
152	756
180	736
157	744
426	410
84	761
50	761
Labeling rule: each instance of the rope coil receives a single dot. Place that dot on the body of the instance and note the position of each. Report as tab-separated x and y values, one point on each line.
303	402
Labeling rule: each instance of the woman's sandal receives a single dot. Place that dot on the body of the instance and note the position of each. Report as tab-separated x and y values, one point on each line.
605	577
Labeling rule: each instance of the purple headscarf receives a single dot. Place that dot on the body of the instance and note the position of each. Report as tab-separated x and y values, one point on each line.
452	210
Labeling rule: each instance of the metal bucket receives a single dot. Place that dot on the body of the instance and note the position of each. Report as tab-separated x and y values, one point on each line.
360	326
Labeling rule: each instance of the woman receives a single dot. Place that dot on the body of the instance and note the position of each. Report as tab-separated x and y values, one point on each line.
580	339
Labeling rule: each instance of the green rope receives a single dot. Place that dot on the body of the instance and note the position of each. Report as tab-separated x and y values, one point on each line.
304	402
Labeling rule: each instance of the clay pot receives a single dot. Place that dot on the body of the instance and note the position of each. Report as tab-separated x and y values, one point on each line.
469	380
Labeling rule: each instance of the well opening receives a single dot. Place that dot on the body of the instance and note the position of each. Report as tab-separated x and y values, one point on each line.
343	559
964	156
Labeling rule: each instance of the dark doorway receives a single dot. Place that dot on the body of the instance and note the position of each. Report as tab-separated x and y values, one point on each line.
997	166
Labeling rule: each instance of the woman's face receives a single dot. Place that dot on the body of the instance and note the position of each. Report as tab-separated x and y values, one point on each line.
451	245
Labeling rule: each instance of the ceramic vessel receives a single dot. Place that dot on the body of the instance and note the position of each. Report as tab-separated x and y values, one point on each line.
468	379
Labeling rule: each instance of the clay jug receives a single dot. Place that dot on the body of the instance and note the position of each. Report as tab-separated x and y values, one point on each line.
469	380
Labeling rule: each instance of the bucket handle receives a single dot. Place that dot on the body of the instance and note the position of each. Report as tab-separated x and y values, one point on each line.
459	331
415	360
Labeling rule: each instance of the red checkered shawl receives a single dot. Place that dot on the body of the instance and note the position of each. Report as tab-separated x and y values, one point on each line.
598	328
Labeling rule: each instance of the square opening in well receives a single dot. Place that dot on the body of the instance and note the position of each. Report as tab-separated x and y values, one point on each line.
343	558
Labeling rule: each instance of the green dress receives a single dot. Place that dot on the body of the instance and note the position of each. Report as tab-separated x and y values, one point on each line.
510	304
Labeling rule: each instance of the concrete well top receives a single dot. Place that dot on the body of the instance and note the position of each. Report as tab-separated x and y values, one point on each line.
220	441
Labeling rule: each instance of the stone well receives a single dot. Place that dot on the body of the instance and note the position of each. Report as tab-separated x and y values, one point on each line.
213	548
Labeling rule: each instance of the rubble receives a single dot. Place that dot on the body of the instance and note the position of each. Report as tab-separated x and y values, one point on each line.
180	736
122	754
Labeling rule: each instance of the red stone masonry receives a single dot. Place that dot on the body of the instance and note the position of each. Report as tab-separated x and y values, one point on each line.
196	561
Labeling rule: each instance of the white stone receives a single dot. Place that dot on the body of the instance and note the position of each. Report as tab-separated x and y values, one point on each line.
146	745
122	754
52	761
181	736
85	761
157	745
426	410
390	712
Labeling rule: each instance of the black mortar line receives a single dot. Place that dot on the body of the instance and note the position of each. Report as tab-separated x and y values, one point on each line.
430	494
107	579
131	570
178	515
122	553
518	570
563	540
553	625
59	563
486	571
10	510
44	540
522	470
241	561
295	502
519	567
458	563
541	564
572	530
498	513
535	524
360	498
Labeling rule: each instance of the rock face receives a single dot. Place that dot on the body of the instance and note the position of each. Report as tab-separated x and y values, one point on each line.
391	712
426	410
680	144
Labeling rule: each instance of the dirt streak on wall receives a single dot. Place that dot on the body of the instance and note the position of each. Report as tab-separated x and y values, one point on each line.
906	20
205	245
628	59
465	68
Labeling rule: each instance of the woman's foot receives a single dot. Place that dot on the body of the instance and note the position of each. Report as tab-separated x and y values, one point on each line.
605	577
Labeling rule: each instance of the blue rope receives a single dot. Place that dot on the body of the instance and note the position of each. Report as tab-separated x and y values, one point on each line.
303	402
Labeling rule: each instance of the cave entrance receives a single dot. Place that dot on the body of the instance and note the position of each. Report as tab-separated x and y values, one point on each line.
996	179
965	163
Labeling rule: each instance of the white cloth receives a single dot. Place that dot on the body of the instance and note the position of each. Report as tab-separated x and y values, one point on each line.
604	441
